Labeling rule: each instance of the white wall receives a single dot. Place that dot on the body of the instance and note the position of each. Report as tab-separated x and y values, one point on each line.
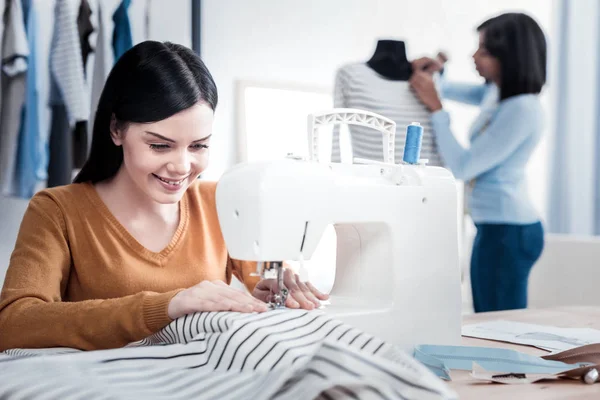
289	41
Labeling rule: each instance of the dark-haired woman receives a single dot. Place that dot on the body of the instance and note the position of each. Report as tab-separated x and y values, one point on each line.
135	242
511	57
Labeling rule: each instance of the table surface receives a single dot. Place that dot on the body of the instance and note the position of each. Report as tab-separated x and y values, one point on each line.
565	317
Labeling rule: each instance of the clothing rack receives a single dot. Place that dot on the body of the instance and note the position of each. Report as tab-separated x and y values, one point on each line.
49	86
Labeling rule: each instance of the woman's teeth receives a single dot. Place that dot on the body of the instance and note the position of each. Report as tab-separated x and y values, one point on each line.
170	182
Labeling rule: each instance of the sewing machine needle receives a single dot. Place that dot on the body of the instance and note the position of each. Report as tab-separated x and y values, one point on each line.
280	285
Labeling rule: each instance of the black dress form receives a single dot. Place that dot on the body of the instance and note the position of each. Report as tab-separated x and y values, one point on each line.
389	60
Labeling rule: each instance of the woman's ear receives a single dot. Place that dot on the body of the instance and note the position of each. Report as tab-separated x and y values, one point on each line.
115	133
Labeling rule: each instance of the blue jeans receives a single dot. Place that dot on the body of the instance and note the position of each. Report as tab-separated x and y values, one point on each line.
503	255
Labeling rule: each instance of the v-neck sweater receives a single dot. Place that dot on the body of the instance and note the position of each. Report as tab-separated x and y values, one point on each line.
77	278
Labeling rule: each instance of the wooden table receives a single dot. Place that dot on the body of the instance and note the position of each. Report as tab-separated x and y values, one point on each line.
564	317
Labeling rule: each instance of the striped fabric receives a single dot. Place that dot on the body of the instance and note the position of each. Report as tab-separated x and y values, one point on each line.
283	354
358	86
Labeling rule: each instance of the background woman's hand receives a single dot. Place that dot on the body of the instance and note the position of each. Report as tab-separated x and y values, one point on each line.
424	88
213	296
300	294
430	65
427	64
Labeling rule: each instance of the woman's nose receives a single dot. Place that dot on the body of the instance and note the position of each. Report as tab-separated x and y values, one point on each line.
180	164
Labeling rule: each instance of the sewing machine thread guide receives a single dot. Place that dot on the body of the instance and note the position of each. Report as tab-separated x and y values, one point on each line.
303	236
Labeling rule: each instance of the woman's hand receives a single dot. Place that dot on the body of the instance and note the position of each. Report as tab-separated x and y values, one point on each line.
430	65
427	64
422	84
213	296
300	294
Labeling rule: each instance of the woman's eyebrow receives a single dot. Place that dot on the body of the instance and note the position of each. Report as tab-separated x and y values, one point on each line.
172	141
203	139
160	136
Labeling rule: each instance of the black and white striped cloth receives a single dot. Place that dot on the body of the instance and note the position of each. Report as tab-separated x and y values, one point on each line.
359	86
283	354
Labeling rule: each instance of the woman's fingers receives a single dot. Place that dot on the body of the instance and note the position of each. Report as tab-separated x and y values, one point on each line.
291	283
418	79
415	84
295	298
242	297
424	88
308	293
300	294
427	64
213	296
224	304
234	291
320	295
291	302
264	285
420	63
224	291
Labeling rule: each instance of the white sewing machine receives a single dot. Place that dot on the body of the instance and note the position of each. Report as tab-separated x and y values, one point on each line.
397	273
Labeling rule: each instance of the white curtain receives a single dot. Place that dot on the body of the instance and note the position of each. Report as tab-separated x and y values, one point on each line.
575	158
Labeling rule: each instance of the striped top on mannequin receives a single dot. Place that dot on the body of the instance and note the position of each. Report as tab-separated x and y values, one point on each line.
374	87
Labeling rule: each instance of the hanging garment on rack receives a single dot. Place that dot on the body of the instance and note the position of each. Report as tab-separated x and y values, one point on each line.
102	66
65	63
69	98
80	134
3	17
358	86
25	4
122	40
15	51
85	29
60	164
29	157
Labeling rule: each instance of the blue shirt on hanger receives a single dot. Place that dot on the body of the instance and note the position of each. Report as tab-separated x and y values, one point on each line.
30	155
122	39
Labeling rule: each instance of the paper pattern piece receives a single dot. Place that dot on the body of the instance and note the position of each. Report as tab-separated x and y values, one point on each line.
548	338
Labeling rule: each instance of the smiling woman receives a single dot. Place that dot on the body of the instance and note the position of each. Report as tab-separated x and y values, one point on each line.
163	165
135	242
157	143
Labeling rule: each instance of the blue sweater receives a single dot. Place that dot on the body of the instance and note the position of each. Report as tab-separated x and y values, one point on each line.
502	138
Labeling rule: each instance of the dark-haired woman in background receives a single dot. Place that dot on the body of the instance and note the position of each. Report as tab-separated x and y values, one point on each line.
135	242
510	238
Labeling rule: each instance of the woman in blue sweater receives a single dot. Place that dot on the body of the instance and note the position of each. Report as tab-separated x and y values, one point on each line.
512	59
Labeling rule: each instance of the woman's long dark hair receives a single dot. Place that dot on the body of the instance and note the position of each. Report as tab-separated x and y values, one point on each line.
519	44
150	82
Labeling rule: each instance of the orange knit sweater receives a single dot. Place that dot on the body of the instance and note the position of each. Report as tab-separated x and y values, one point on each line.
78	279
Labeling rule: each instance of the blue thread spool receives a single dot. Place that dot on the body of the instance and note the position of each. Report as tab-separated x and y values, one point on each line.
412	146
